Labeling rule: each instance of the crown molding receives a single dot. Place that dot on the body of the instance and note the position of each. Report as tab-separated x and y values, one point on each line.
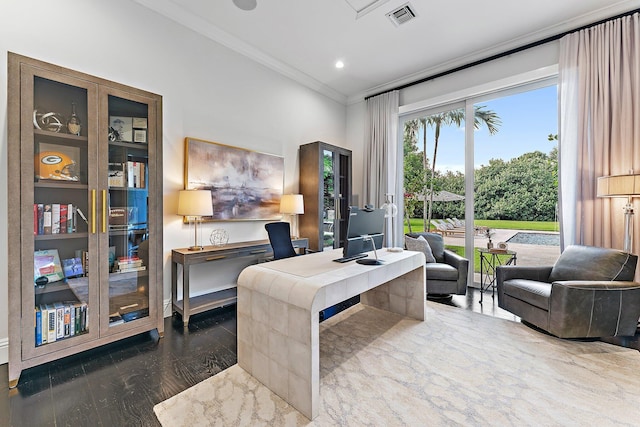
195	23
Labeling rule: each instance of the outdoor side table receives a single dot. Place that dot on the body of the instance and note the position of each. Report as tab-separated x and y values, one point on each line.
490	259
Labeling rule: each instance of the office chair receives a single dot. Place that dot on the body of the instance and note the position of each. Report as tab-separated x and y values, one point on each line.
280	238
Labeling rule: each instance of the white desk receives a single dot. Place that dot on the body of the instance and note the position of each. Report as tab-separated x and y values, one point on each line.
278	306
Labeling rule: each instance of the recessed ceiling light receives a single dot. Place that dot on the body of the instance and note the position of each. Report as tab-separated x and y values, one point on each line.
339	64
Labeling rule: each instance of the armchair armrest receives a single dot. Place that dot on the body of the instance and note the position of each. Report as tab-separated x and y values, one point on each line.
537	273
583	308
462	265
595	285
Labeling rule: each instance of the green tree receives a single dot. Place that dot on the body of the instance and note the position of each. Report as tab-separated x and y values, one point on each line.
523	189
456	117
414	172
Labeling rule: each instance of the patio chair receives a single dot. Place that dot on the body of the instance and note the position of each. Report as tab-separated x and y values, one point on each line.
440	228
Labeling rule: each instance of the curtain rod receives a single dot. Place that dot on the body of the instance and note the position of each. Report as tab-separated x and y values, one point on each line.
503	54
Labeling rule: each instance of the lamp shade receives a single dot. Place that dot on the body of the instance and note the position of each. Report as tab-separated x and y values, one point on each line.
195	203
618	186
292	204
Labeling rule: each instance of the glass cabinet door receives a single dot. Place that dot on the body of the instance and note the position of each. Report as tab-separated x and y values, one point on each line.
335	199
126	140
57	146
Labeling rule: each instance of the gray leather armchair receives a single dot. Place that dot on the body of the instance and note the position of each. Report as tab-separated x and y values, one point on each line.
588	293
448	275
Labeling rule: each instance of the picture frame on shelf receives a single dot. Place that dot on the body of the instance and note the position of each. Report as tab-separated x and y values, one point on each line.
120	129
244	184
139	135
139	122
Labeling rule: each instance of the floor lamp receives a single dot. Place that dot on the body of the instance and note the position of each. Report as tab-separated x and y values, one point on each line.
195	204
293	205
622	186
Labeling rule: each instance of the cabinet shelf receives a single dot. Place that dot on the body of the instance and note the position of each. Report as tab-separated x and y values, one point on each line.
130	145
59	138
62	236
60	185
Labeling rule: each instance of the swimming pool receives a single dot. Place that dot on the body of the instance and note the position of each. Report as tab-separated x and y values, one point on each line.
536	239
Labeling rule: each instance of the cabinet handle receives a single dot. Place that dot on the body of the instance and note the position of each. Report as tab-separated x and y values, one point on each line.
93	211
260	251
338	213
104	211
213	258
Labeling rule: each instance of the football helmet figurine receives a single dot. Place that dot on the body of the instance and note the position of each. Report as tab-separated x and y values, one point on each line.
55	165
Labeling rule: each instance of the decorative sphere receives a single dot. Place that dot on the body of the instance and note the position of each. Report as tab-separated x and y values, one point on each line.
219	237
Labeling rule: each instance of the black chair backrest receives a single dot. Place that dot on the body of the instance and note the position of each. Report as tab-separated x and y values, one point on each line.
280	238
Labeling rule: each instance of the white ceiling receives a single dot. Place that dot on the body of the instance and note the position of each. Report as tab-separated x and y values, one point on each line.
303	38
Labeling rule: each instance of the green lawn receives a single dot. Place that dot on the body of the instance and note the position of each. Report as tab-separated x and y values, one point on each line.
416	226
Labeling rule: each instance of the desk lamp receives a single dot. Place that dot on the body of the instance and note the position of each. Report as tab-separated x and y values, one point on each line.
194	204
293	205
622	186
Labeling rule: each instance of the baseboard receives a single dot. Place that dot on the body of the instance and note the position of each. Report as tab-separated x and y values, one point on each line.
4	351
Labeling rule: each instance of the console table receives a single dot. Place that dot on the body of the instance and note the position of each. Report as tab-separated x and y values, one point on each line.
279	303
187	306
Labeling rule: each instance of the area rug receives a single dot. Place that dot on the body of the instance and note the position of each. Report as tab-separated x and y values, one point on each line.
456	368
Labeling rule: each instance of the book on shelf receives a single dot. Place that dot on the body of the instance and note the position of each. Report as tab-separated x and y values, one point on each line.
38	325
55	218
136	174
122	269
71	220
64	208
59	307
83	255
60	320
47	263
46	219
116	175
128	259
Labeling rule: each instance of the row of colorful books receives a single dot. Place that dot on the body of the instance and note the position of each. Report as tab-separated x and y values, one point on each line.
55	218
60	320
127	174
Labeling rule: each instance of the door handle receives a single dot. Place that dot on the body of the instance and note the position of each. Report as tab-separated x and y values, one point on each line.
104	211
93	211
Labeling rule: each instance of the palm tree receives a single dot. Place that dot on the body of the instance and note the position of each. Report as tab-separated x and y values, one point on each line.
481	116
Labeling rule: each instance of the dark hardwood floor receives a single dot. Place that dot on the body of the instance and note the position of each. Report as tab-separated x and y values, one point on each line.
118	384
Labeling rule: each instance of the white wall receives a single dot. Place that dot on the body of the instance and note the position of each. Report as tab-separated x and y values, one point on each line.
209	92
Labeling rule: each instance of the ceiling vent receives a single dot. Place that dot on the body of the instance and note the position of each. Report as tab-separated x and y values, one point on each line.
402	15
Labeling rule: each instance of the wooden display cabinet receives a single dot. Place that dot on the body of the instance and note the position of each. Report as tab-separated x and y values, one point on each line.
325	183
85	212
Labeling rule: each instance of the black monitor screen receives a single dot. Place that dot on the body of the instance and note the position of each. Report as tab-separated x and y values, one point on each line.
363	222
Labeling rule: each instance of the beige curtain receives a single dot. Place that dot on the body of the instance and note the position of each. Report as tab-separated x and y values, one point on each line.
380	145
599	128
380	159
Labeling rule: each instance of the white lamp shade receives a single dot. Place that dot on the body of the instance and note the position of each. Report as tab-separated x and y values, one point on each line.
195	203
292	204
618	186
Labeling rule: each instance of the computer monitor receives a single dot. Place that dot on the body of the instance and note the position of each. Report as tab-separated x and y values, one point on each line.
365	228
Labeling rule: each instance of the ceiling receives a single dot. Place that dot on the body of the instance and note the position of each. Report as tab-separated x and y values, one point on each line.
303	39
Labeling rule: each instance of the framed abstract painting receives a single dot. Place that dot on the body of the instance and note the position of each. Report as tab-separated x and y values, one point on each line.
244	184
